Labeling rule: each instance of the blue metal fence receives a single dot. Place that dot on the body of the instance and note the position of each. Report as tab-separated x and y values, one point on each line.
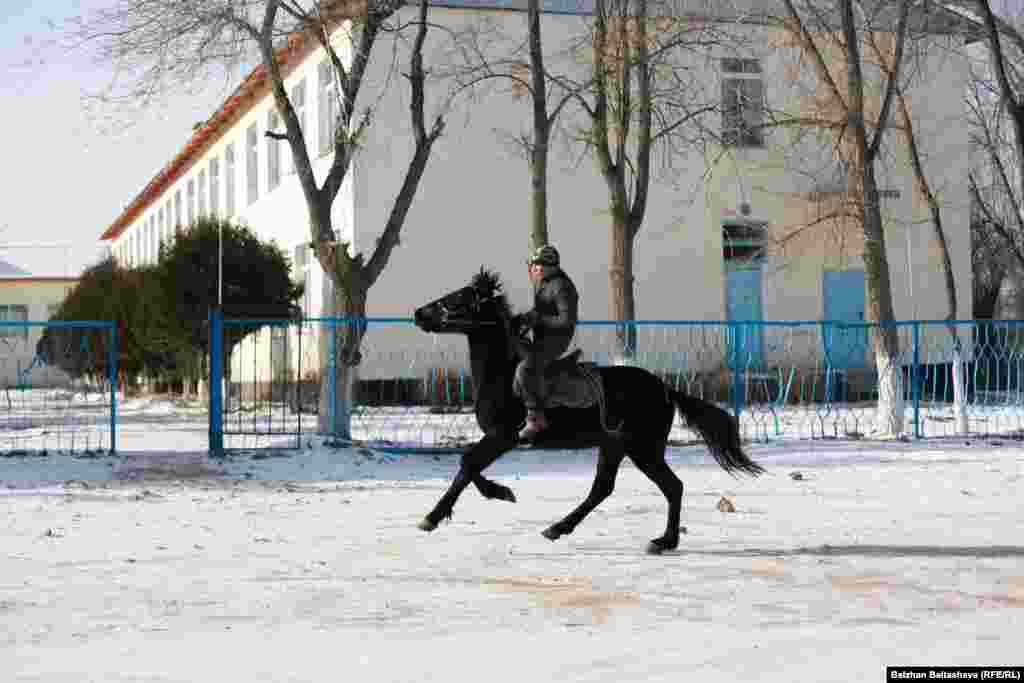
59	384
802	379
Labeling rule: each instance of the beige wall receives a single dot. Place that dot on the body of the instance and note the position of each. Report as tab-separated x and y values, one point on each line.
17	352
472	208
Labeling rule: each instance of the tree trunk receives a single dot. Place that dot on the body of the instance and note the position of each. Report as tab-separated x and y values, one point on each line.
878	287
939	233
541	133
623	301
340	355
878	307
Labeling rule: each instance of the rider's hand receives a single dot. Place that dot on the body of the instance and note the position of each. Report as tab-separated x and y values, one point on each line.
524	322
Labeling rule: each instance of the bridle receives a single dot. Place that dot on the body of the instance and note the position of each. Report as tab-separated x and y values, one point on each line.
448	316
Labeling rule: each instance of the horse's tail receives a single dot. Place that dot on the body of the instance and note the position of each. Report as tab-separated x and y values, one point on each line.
719	431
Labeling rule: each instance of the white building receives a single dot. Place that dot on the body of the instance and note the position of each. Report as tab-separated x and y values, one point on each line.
471	209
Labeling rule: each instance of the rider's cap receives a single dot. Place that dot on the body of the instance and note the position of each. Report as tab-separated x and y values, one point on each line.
546	255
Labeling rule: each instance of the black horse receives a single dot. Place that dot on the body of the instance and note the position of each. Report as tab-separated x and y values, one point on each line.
639	405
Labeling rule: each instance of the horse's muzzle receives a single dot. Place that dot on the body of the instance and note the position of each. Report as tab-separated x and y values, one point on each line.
427	318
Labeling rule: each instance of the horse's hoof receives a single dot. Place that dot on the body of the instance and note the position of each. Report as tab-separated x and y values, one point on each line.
426	525
659	546
551	534
507	495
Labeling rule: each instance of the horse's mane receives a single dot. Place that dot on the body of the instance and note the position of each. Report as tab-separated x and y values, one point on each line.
490	282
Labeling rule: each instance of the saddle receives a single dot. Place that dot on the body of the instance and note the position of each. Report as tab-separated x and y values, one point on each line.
571	384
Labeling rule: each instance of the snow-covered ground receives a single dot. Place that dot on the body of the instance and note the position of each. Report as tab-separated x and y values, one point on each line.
159	564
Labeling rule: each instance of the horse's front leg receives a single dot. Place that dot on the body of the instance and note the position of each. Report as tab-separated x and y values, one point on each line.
474	461
492	490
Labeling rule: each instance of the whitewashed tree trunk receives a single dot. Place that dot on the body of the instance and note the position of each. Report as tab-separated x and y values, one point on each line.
891	418
345	378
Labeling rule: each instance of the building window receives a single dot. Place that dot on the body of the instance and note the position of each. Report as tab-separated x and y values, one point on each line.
154	238
191	201
14	313
273	154
202	192
742	103
328	107
229	180
177	209
252	164
299	105
743	242
215	186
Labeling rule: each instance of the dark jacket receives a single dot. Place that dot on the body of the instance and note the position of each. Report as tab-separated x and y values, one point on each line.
555	312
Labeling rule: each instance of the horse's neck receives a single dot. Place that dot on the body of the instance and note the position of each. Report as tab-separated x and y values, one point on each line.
489	358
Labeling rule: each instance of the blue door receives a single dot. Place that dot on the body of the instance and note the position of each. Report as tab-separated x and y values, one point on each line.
742	303
845	347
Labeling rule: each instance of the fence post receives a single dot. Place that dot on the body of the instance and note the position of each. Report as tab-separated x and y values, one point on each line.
915	387
216	322
332	386
112	371
737	378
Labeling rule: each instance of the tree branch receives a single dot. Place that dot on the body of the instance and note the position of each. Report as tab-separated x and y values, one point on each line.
893	81
424	142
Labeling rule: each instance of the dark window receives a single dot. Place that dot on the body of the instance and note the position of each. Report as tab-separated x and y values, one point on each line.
743	242
328	107
252	164
742	103
273	154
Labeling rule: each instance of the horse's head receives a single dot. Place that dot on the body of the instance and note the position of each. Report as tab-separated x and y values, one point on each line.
477	305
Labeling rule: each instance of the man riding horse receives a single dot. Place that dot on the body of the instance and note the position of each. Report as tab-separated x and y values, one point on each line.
553	322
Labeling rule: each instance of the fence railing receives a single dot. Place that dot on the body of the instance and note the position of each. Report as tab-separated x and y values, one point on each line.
783	379
59	387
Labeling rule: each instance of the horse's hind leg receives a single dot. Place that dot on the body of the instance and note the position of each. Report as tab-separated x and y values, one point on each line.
608	460
649	458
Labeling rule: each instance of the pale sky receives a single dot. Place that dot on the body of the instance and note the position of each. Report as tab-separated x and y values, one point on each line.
62	179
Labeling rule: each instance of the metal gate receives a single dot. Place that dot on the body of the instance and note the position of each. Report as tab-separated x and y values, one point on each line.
256	384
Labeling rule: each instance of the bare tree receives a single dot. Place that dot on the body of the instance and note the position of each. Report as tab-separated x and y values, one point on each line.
642	96
492	59
858	143
904	126
542	123
996	104
638	94
159	45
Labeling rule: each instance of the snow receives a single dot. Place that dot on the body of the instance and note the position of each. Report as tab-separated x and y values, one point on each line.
161	564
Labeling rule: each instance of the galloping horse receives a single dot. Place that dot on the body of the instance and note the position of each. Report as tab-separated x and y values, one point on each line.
640	405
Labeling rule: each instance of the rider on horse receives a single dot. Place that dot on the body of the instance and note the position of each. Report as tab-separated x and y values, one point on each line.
553	321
